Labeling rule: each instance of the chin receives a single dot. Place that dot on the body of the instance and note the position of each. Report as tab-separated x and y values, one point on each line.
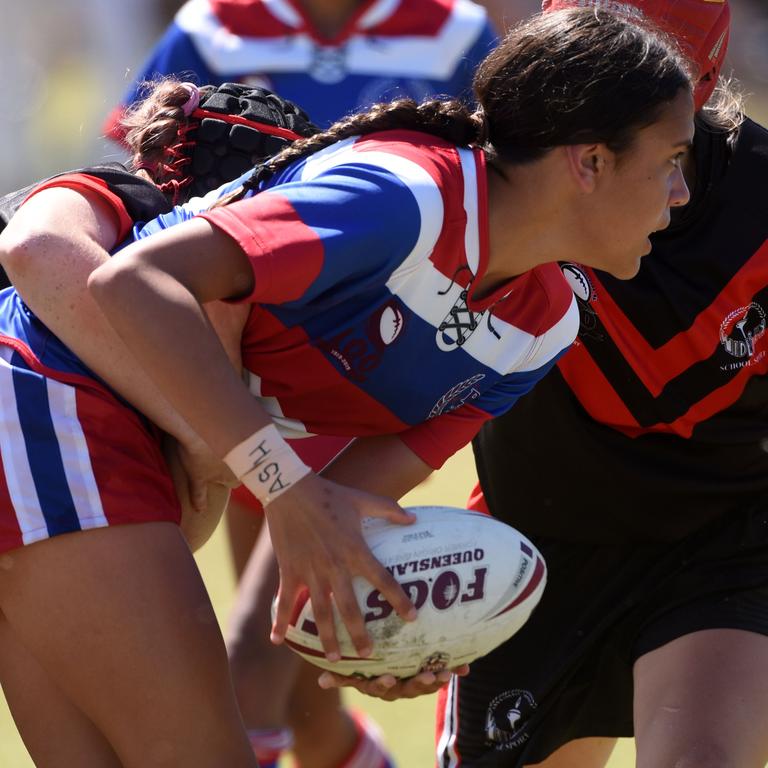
627	270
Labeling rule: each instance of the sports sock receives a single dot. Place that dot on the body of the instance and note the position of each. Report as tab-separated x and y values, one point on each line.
269	743
369	751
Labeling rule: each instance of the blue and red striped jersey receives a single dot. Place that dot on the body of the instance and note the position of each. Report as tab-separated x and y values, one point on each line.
364	256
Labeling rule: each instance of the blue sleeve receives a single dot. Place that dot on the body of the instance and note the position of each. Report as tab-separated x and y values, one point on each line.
499	398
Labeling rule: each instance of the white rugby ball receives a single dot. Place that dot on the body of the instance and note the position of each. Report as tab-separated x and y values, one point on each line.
474	580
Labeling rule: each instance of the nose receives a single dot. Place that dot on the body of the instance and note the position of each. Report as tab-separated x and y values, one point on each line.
679	194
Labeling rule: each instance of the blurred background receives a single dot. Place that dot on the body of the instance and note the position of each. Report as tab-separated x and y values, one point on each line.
65	65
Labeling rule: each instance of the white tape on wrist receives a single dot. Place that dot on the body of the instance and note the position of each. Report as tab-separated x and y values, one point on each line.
266	464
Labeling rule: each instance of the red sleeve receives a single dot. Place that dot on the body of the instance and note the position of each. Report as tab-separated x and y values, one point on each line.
285	254
84	183
436	440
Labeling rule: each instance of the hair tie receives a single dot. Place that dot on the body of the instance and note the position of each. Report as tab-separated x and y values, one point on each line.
191	104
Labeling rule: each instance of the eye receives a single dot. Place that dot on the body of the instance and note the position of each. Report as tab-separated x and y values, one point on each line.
678	158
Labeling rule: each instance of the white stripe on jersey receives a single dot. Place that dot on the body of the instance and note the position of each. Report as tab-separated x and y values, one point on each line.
555	340
378	12
446	745
283	11
412	56
18	473
75	456
472	234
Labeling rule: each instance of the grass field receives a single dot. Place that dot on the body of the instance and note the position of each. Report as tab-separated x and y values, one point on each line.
407	725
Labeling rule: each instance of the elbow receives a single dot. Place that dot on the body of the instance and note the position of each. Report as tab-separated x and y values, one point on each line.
20	256
103	282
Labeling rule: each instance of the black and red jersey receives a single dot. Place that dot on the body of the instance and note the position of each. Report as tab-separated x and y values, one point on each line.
657	419
142	199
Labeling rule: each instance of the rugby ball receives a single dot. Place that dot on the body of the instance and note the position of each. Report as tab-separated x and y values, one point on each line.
473	579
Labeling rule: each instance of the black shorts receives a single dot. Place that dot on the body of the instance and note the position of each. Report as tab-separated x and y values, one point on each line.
568	673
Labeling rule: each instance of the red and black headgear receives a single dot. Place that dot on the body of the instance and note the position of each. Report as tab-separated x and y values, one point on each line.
701	27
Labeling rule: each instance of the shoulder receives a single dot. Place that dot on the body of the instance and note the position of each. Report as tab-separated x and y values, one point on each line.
542	304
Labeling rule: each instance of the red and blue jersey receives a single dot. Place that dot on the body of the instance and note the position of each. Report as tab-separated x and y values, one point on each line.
388	49
364	322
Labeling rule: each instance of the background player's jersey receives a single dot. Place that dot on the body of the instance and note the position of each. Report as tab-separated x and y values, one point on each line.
663	399
390	48
364	256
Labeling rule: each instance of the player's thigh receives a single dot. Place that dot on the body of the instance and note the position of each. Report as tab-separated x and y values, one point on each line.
55	732
120	620
701	699
580	753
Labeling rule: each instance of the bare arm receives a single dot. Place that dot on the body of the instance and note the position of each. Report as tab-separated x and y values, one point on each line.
49	264
49	248
315	523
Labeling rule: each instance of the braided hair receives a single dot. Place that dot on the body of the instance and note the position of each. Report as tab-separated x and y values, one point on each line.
191	140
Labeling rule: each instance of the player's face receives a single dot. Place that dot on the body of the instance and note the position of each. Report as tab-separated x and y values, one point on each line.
639	188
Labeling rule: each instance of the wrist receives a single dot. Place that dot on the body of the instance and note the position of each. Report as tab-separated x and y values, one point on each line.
266	464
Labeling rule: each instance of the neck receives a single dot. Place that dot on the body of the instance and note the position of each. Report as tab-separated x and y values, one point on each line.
527	222
329	16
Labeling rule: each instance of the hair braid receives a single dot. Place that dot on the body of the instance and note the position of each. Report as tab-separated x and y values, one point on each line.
448	119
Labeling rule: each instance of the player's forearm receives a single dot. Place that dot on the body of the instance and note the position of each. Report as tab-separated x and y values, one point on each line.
172	339
383	465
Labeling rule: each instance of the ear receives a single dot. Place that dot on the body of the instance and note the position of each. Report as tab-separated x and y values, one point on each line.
587	163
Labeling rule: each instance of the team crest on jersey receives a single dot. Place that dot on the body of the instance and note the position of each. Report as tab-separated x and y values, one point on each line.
507	717
739	333
578	279
464	392
358	350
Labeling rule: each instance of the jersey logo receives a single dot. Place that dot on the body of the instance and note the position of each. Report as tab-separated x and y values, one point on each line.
506	718
359	350
579	281
739	333
465	391
583	290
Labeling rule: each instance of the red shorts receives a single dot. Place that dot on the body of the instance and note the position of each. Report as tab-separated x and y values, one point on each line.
72	456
